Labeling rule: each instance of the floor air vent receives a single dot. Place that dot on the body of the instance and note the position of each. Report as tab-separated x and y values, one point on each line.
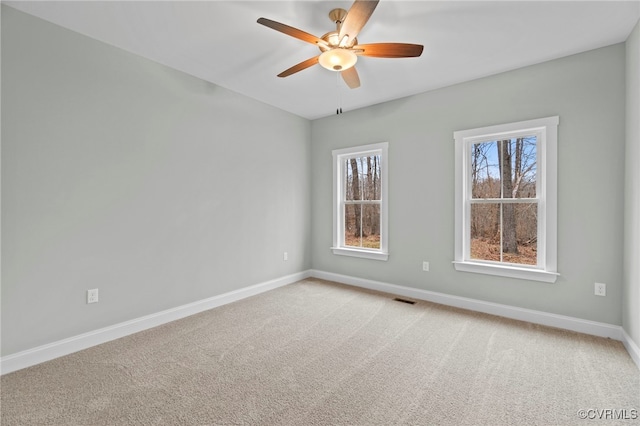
410	302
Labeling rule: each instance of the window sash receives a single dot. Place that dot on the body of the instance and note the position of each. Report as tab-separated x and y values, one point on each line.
499	202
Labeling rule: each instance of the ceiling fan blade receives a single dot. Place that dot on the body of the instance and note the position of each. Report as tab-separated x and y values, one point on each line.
356	18
299	67
293	32
389	50
350	76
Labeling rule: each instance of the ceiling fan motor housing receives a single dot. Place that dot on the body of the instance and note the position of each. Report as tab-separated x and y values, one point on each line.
333	41
332	38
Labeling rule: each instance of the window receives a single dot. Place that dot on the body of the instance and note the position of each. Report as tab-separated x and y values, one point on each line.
360	201
505	206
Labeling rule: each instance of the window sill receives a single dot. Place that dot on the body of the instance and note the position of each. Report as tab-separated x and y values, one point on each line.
506	271
365	254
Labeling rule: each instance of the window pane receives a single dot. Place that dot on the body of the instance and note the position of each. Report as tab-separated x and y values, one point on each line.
370	177
352	225
520	231
485	170
352	179
371	226
362	180
519	157
485	232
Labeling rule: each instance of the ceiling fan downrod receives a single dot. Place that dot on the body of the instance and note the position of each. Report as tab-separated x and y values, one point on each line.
337	16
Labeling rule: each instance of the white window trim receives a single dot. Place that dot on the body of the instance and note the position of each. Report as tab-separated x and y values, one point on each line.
338	247
547	130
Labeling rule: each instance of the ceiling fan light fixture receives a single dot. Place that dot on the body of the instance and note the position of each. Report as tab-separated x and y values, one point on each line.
338	59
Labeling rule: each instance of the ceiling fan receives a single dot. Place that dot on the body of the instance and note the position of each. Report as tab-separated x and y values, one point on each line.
340	48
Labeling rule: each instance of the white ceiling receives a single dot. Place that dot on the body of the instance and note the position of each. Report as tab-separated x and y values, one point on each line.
220	41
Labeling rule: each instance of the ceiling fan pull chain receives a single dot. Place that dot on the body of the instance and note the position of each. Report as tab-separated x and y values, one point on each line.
338	94
338	97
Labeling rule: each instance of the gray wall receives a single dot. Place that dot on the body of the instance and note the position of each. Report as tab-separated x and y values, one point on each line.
631	293
587	91
151	185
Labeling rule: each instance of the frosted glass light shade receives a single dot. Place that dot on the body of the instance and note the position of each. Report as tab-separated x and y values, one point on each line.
338	59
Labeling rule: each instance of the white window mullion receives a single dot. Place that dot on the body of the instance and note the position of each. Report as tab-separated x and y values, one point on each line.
361	214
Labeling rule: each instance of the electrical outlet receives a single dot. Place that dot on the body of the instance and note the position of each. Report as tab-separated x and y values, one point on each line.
92	296
285	256
425	266
600	289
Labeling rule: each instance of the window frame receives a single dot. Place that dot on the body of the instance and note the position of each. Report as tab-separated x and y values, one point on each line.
339	157
546	131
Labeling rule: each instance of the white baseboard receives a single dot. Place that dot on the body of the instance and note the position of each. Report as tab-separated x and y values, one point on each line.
67	346
632	347
537	317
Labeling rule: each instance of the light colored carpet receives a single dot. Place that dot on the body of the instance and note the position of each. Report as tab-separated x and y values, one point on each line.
319	353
